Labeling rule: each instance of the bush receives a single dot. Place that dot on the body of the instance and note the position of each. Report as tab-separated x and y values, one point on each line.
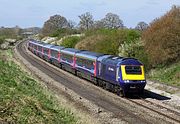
169	75
2	40
107	41
103	41
70	42
63	32
141	55
162	39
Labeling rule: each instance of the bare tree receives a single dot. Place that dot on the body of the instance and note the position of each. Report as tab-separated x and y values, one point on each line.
112	21
86	20
55	22
71	24
98	24
141	26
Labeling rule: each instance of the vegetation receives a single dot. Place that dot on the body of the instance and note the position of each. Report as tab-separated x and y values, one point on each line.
70	42
162	39
86	21
2	39
141	26
63	32
108	40
23	100
169	74
54	23
112	21
9	33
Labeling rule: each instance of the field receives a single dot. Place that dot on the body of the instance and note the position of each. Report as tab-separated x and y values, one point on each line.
24	100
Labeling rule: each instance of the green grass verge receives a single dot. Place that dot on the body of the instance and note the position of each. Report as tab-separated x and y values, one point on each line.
169	75
23	100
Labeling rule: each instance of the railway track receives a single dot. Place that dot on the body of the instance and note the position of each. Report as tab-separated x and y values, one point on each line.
157	108
119	110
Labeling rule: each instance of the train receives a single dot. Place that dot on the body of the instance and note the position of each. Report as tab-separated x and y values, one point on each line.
121	75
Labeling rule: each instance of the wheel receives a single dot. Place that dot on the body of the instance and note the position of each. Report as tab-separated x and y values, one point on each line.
120	92
104	85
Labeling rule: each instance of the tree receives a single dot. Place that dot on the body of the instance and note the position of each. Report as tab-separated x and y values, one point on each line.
86	21
162	39
9	32
54	23
71	24
141	26
98	24
112	21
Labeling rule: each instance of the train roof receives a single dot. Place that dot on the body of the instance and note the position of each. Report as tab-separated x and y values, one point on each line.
117	60
47	45
103	57
88	55
33	41
38	42
57	48
70	51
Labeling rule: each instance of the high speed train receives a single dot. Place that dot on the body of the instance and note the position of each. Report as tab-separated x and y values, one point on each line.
114	73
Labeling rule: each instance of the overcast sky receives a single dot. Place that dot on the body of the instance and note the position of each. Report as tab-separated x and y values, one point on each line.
30	13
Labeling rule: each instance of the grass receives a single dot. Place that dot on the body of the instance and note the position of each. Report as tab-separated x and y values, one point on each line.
23	100
169	75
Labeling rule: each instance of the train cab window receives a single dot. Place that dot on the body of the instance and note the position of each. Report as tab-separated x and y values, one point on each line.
133	70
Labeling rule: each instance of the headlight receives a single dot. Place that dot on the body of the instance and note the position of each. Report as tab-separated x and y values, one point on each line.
143	81
126	81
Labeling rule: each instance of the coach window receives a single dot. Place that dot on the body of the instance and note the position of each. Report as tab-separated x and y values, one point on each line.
90	64
79	61
36	47
40	48
53	53
46	51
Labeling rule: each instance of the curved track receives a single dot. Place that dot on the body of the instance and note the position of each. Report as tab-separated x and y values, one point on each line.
120	110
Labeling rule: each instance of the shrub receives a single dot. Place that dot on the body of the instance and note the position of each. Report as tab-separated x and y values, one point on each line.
107	41
162	39
103	41
70	41
2	40
63	32
141	55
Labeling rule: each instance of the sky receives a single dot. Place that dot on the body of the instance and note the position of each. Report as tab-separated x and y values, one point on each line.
33	13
